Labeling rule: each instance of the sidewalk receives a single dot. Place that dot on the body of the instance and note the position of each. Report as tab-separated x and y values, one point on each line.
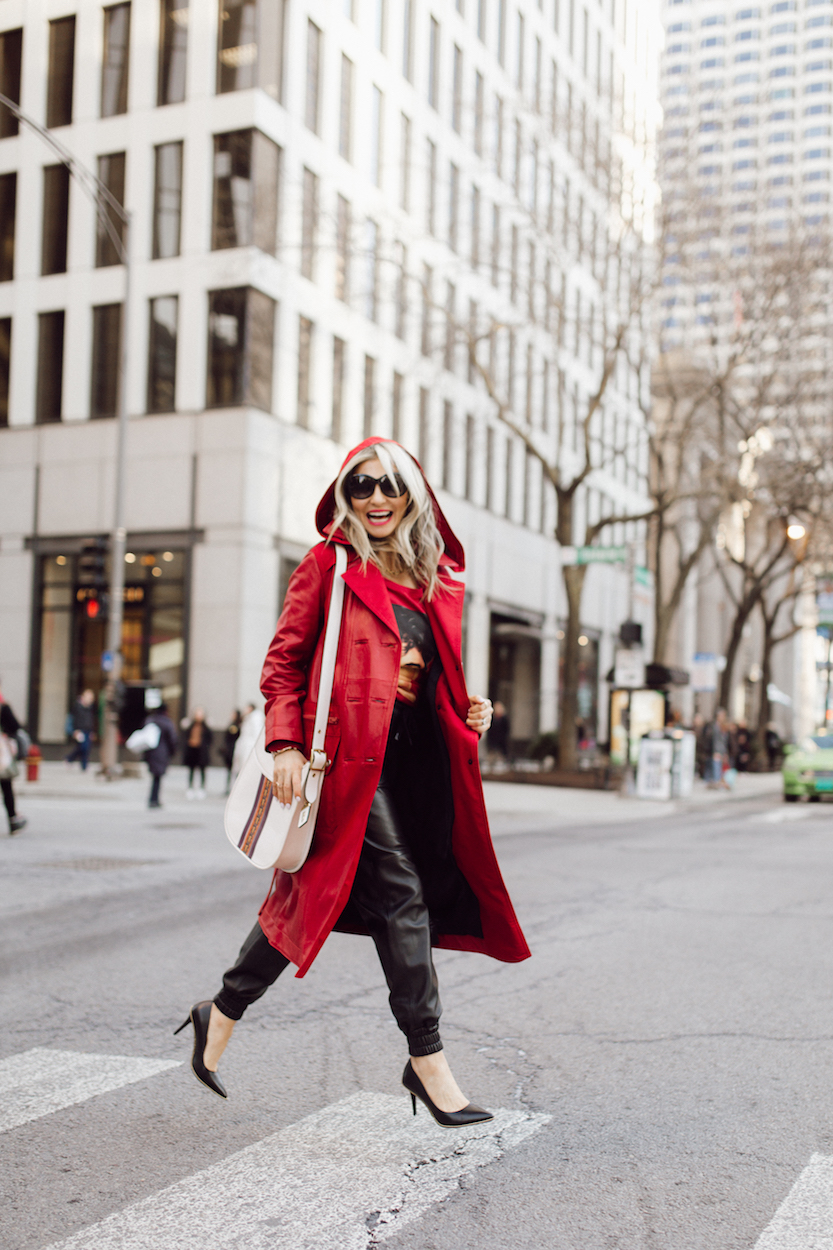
512	808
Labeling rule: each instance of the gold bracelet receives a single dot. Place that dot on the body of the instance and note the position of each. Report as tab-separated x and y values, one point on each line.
283	751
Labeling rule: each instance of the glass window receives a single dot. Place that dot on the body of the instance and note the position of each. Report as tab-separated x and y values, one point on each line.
104	385
305	328
396	407
377	105
116	63
309	223
111	171
164	313
250	46
457	91
167	200
405	163
55	219
173	51
312	103
345	124
5	367
11	48
241	326
369	395
60	73
339	360
8	203
246	185
434	63
342	267
50	367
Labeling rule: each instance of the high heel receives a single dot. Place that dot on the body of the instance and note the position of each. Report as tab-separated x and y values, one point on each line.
470	1114
199	1016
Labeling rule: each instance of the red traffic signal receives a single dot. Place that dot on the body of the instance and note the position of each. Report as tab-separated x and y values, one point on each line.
93	608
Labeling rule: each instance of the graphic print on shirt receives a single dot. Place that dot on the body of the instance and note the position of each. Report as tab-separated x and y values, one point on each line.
418	647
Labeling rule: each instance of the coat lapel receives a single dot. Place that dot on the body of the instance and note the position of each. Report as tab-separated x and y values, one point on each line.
370	588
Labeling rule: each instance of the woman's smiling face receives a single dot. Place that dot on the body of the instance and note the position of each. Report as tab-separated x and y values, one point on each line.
379	515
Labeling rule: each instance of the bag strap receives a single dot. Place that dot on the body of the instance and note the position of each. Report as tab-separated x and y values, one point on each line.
318	756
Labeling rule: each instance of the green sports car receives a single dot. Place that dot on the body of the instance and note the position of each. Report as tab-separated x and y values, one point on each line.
808	769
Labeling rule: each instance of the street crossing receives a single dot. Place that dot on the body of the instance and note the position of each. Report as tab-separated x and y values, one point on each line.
804	1220
40	1081
345	1177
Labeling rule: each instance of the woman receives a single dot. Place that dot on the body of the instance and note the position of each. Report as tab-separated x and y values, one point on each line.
9	729
229	743
196	751
251	724
159	757
402	848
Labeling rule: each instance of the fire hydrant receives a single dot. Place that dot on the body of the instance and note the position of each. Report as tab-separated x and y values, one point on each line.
33	759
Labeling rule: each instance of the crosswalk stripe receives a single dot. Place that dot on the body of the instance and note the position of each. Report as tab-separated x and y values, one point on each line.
40	1081
360	1167
804	1220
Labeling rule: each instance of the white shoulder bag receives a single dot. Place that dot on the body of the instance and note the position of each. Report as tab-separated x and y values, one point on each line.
268	835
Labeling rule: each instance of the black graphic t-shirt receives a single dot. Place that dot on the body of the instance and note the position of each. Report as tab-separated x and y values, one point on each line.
418	646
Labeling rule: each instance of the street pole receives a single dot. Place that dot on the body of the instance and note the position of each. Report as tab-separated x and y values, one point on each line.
104	200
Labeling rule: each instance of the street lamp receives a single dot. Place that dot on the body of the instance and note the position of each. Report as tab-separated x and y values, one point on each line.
795	532
104	200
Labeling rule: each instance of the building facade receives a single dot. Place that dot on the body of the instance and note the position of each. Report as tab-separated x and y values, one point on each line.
347	219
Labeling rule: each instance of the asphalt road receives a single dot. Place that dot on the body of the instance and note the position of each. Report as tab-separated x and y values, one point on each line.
663	1061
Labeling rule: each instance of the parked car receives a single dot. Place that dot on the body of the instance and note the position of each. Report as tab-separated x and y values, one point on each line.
808	768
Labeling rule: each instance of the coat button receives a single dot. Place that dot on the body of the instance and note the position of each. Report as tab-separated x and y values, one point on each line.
471	761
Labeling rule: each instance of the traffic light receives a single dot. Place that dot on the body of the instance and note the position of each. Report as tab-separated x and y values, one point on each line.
92	570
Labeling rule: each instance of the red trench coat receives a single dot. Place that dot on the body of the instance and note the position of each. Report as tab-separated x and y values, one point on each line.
303	908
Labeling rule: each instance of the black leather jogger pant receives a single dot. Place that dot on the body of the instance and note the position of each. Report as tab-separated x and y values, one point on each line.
388	894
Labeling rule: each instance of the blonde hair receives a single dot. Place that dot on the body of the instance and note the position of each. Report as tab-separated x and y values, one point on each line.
416	544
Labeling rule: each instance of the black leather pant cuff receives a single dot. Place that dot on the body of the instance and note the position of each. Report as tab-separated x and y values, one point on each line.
230	1008
425	1042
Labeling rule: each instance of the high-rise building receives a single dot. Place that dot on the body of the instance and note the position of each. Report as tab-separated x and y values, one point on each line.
333	202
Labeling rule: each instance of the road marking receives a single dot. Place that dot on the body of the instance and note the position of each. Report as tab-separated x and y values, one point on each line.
347	1178
40	1081
780	814
804	1220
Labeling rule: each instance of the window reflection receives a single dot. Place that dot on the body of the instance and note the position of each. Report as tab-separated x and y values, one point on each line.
250	45
240	345
115	66
246	188
173	51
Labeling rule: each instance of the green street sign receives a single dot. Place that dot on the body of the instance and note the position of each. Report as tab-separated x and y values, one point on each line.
601	555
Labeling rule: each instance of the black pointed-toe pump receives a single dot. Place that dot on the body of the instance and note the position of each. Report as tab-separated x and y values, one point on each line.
199	1017
470	1114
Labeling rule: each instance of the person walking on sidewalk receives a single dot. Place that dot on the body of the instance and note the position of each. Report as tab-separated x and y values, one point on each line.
229	743
9	767
247	735
83	728
159	757
402	849
718	750
196	752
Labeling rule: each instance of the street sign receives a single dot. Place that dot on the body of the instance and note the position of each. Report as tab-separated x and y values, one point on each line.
594	555
643	577
629	669
107	661
704	670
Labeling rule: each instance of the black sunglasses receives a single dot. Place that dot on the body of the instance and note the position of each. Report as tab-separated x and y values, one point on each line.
362	486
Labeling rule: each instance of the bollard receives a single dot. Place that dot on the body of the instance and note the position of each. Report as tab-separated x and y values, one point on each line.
33	759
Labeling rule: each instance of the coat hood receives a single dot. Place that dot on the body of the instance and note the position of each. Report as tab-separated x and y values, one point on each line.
325	511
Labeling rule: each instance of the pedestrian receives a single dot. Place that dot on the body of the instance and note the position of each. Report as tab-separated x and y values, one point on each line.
83	728
774	746
402	849
9	754
250	726
229	743
497	737
159	757
196	751
742	747
718	732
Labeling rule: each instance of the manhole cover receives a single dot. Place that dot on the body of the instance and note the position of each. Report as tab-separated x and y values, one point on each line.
96	864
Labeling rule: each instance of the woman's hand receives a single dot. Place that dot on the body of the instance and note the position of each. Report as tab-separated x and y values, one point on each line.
287	767
480	714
